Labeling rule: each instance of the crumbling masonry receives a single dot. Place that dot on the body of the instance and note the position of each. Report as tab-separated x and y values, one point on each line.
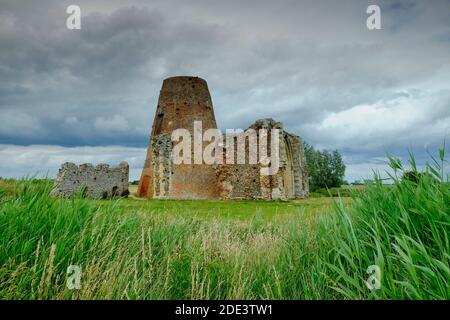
98	182
184	100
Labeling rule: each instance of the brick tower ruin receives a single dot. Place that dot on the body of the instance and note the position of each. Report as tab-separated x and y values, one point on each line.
184	100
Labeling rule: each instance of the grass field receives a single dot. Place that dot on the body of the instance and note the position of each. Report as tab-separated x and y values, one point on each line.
317	248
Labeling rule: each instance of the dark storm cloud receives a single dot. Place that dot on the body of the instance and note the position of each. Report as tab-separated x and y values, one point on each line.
311	64
93	86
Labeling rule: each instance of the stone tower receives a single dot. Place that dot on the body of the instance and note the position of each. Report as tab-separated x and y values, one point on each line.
182	101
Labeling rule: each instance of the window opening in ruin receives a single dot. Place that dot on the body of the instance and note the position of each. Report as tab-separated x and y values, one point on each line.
159	122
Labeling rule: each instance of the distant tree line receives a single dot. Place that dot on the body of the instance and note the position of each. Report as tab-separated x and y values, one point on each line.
325	169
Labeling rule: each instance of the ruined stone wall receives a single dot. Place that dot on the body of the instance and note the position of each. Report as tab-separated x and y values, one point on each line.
246	182
161	162
300	172
239	181
101	181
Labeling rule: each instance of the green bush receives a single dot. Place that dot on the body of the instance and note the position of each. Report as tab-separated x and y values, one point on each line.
325	169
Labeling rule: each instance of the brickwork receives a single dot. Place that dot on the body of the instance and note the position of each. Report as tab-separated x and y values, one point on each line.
101	181
184	100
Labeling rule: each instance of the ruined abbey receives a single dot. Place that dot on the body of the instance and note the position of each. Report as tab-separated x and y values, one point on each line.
186	100
99	182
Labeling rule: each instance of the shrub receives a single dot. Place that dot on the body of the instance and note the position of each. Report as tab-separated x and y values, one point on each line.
325	169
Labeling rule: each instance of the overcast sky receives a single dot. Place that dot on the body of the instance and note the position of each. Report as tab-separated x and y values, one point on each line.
89	95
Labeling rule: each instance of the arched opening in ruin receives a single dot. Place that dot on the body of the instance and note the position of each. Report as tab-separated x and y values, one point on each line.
115	191
288	174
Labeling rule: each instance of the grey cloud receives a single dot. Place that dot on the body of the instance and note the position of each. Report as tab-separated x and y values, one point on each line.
310	64
45	160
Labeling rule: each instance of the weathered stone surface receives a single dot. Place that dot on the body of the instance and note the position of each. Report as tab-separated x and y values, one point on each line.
184	100
101	181
245	181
